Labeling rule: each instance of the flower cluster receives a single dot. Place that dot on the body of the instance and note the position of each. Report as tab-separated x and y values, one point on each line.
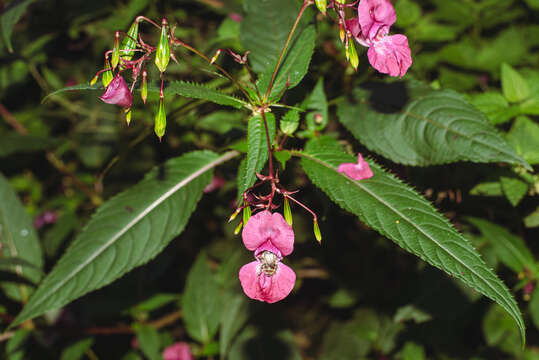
271	238
389	54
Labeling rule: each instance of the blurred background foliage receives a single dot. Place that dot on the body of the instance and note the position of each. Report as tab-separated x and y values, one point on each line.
357	295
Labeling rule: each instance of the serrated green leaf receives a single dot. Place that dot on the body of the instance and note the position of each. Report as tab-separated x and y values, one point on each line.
201	302
257	150
127	231
289	122
511	249
514	189
432	127
18	240
85	86
398	212
265	28
294	66
200	91
514	86
10	16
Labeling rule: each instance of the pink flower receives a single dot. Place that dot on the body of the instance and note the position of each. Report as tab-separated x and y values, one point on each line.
178	351
217	182
387	54
267	279
359	171
117	93
375	17
267	231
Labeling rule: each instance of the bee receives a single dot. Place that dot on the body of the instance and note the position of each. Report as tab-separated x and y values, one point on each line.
269	262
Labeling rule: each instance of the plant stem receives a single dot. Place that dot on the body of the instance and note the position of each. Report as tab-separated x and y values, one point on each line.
306	3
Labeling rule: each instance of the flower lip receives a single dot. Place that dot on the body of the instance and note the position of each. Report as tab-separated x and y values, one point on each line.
117	93
258	285
267	229
391	55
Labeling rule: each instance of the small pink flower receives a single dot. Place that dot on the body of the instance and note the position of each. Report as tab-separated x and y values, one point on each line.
391	55
267	231
117	93
375	17
359	171
267	279
177	351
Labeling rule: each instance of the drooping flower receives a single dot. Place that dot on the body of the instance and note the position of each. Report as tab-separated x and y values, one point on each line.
267	231
359	171
267	279
117	93
387	54
178	351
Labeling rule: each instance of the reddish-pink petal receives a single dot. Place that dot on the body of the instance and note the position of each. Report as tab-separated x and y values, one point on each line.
391	55
359	171
117	93
267	288
375	17
178	351
265	226
268	246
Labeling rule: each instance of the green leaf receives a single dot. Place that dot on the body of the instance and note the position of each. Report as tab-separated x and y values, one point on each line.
10	16
127	231
77	350
200	91
257	150
289	122
532	220
524	136
201	302
13	143
411	351
265	28
232	320
255	344
511	249
15	348
500	331
410	312
18	240
341	343
154	302
409	12
85	86
514	86
398	212
514	189
282	156
432	127
149	341
294	66
316	102
487	189
495	107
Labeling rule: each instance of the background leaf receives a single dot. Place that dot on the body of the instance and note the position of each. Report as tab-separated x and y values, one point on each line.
10	16
76	350
201	301
19	241
127	231
430	127
200	91
399	213
232	320
149	341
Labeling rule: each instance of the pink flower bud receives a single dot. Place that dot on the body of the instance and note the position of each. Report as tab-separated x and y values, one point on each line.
359	171
117	93
178	351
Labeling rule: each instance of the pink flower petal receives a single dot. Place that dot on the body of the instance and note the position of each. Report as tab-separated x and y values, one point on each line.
265	226
375	17
391	55
359	171
117	93
178	351
266	288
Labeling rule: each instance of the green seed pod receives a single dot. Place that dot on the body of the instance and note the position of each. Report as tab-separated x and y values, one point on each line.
129	43
353	58
107	75
144	87
246	214
94	80
162	54
115	59
128	113
287	212
160	120
317	234
234	215
321	5
238	228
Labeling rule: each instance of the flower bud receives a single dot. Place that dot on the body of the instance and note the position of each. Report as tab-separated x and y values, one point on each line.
160	120
341	1
144	87
162	54
217	53
238	228
128	113
246	213
352	54
117	93
107	75
287	211
321	5
115	58
94	79
129	42
317	234
234	215
341	31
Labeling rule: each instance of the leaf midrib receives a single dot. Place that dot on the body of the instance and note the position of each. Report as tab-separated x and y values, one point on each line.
225	157
358	184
